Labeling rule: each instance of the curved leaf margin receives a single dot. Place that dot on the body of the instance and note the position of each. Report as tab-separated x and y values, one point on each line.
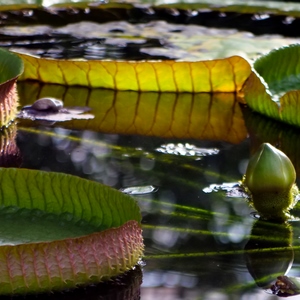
272	88
54	265
146	76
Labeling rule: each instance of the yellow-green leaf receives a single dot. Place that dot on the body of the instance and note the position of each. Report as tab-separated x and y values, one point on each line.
220	75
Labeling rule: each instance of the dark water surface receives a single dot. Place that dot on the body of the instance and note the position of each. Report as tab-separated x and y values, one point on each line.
196	229
200	236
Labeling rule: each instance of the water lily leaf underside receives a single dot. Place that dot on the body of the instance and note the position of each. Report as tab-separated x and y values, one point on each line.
60	264
220	75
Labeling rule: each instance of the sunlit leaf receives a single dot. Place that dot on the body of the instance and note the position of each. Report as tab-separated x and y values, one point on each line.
258	98
272	91
61	256
280	69
156	76
11	67
171	115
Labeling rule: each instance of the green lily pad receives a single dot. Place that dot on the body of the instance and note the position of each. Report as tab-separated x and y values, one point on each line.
280	69
87	232
11	66
273	87
22	225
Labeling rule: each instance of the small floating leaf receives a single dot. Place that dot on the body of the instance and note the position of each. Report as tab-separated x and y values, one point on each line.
156	76
115	246
283	75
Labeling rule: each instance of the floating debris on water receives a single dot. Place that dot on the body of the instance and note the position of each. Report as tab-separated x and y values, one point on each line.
186	150
232	189
139	190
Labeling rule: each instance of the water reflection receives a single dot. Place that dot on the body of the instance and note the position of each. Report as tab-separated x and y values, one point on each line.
10	155
232	189
170	279
125	287
267	255
195	241
284	137
179	218
206	116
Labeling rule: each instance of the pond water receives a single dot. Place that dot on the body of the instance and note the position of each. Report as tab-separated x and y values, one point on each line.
200	235
181	157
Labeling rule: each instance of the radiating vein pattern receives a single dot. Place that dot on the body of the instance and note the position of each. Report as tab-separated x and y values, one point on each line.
220	75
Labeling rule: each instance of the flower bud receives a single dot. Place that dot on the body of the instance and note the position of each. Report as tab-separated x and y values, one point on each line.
270	177
269	170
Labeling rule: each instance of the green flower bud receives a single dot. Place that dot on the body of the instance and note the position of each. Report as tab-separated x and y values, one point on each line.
269	170
270	177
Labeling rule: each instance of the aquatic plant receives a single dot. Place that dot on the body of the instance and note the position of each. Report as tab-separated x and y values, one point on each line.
270	178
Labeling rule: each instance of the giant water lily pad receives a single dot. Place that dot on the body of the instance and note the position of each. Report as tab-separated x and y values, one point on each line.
142	76
59	231
273	88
